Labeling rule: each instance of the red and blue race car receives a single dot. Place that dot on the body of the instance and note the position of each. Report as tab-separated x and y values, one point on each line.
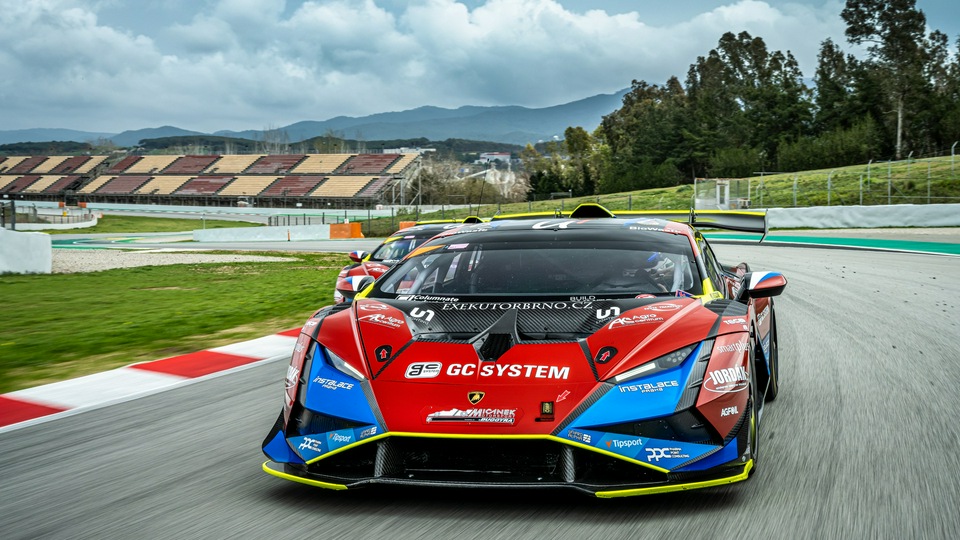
609	354
394	247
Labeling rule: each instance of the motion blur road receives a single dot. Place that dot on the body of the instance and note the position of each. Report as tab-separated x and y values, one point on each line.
863	442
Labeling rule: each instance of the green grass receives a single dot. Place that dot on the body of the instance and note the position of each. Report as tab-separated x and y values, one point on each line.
60	326
112	223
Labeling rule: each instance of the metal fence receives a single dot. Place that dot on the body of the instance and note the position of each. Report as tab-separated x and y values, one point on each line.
924	181
8	215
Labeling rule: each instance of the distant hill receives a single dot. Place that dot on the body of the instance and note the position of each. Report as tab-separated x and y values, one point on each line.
504	124
48	135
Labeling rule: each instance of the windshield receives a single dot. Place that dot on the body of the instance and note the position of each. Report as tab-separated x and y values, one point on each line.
396	250
581	266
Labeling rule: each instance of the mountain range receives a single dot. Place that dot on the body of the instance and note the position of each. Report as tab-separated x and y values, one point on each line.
505	124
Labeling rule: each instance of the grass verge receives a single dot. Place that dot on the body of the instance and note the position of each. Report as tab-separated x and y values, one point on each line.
112	223
61	326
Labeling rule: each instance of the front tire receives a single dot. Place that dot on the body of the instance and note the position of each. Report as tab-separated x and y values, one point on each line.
773	387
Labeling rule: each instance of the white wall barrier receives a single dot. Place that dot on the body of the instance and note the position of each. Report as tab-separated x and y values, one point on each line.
293	233
852	217
25	252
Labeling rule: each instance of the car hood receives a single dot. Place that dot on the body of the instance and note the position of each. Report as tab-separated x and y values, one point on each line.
431	361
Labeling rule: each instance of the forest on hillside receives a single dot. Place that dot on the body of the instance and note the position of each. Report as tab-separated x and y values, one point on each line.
743	109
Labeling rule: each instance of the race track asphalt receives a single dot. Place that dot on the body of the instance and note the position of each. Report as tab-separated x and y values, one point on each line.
862	442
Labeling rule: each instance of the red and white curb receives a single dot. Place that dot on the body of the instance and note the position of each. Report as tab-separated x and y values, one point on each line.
42	403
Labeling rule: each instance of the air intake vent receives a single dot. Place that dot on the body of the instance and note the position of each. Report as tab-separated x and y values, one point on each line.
493	346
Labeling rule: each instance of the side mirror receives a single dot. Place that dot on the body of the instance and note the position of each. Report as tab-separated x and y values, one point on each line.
759	285
358	256
350	286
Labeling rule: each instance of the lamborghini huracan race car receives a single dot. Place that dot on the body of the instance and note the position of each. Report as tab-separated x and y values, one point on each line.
394	248
610	355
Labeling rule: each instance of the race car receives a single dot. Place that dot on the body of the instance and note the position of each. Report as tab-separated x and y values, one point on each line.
394	248
609	354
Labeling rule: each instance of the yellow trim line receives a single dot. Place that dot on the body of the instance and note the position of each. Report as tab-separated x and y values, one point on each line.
678	487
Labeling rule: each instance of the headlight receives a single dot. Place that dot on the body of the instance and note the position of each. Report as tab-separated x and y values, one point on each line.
341	365
665	362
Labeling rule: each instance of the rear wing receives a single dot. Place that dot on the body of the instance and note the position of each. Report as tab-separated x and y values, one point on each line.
731	220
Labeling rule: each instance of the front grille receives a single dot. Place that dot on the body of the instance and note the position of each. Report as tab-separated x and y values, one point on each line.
685	426
480	461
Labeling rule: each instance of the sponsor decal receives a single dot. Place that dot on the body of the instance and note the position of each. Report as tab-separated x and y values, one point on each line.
311	322
562	396
727	411
369	432
579	436
553	224
582	298
423	370
684	294
735	321
485	306
383	320
727	380
332	384
372	307
425	314
621	322
427	298
383	353
488	416
475	397
457	246
663	307
739	346
310	444
645	295
605	354
763	314
607	313
293	374
656	454
646	388
620	444
513	371
338	438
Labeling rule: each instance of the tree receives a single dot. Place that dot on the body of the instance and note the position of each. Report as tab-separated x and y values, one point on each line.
894	33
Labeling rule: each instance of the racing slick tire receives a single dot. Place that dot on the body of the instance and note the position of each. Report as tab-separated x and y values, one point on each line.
773	386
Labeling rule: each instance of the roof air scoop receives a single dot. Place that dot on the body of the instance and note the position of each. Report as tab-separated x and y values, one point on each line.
496	340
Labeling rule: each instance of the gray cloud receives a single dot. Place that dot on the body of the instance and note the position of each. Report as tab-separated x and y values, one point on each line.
249	64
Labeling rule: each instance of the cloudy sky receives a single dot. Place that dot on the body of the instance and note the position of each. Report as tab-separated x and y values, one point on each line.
206	65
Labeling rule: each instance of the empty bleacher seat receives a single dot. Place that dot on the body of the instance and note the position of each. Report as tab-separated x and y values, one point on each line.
320	163
10	162
342	186
63	183
162	185
96	184
248	185
122	165
275	164
20	183
151	164
42	183
123	185
27	165
49	164
232	164
204	185
367	164
293	186
89	165
402	163
190	164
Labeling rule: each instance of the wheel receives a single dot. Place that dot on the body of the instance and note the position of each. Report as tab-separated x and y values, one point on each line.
753	435
773	387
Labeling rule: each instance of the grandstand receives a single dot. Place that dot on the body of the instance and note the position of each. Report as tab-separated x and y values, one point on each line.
302	180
